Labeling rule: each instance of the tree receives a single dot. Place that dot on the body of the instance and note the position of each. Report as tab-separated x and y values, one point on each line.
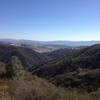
17	70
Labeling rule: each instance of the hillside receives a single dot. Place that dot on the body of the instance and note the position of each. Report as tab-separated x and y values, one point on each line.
35	88
68	71
28	57
60	54
61	74
39	89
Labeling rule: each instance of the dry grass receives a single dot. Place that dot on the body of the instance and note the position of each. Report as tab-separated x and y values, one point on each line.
35	88
4	90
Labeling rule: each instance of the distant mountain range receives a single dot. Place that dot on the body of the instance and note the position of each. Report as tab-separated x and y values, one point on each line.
47	46
66	43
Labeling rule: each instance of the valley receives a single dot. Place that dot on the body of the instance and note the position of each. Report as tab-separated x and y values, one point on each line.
63	74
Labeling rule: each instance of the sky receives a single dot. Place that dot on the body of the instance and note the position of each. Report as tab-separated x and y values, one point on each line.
48	20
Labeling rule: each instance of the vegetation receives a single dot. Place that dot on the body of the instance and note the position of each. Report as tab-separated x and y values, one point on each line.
17	68
39	89
74	76
70	71
29	58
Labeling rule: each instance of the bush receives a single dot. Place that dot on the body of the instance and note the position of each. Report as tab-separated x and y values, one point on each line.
15	69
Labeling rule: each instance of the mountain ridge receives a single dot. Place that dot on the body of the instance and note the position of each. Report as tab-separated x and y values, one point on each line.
59	42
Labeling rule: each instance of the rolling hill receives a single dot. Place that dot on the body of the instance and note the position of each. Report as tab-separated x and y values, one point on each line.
34	88
59	75
73	70
28	57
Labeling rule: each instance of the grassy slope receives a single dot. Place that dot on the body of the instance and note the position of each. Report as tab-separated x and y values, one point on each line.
35	88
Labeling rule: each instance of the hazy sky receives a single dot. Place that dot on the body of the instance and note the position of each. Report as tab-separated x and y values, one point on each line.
50	19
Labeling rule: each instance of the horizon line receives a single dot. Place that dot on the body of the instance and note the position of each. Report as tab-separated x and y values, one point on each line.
47	40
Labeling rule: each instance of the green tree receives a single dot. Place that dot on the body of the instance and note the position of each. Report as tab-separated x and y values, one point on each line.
15	69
